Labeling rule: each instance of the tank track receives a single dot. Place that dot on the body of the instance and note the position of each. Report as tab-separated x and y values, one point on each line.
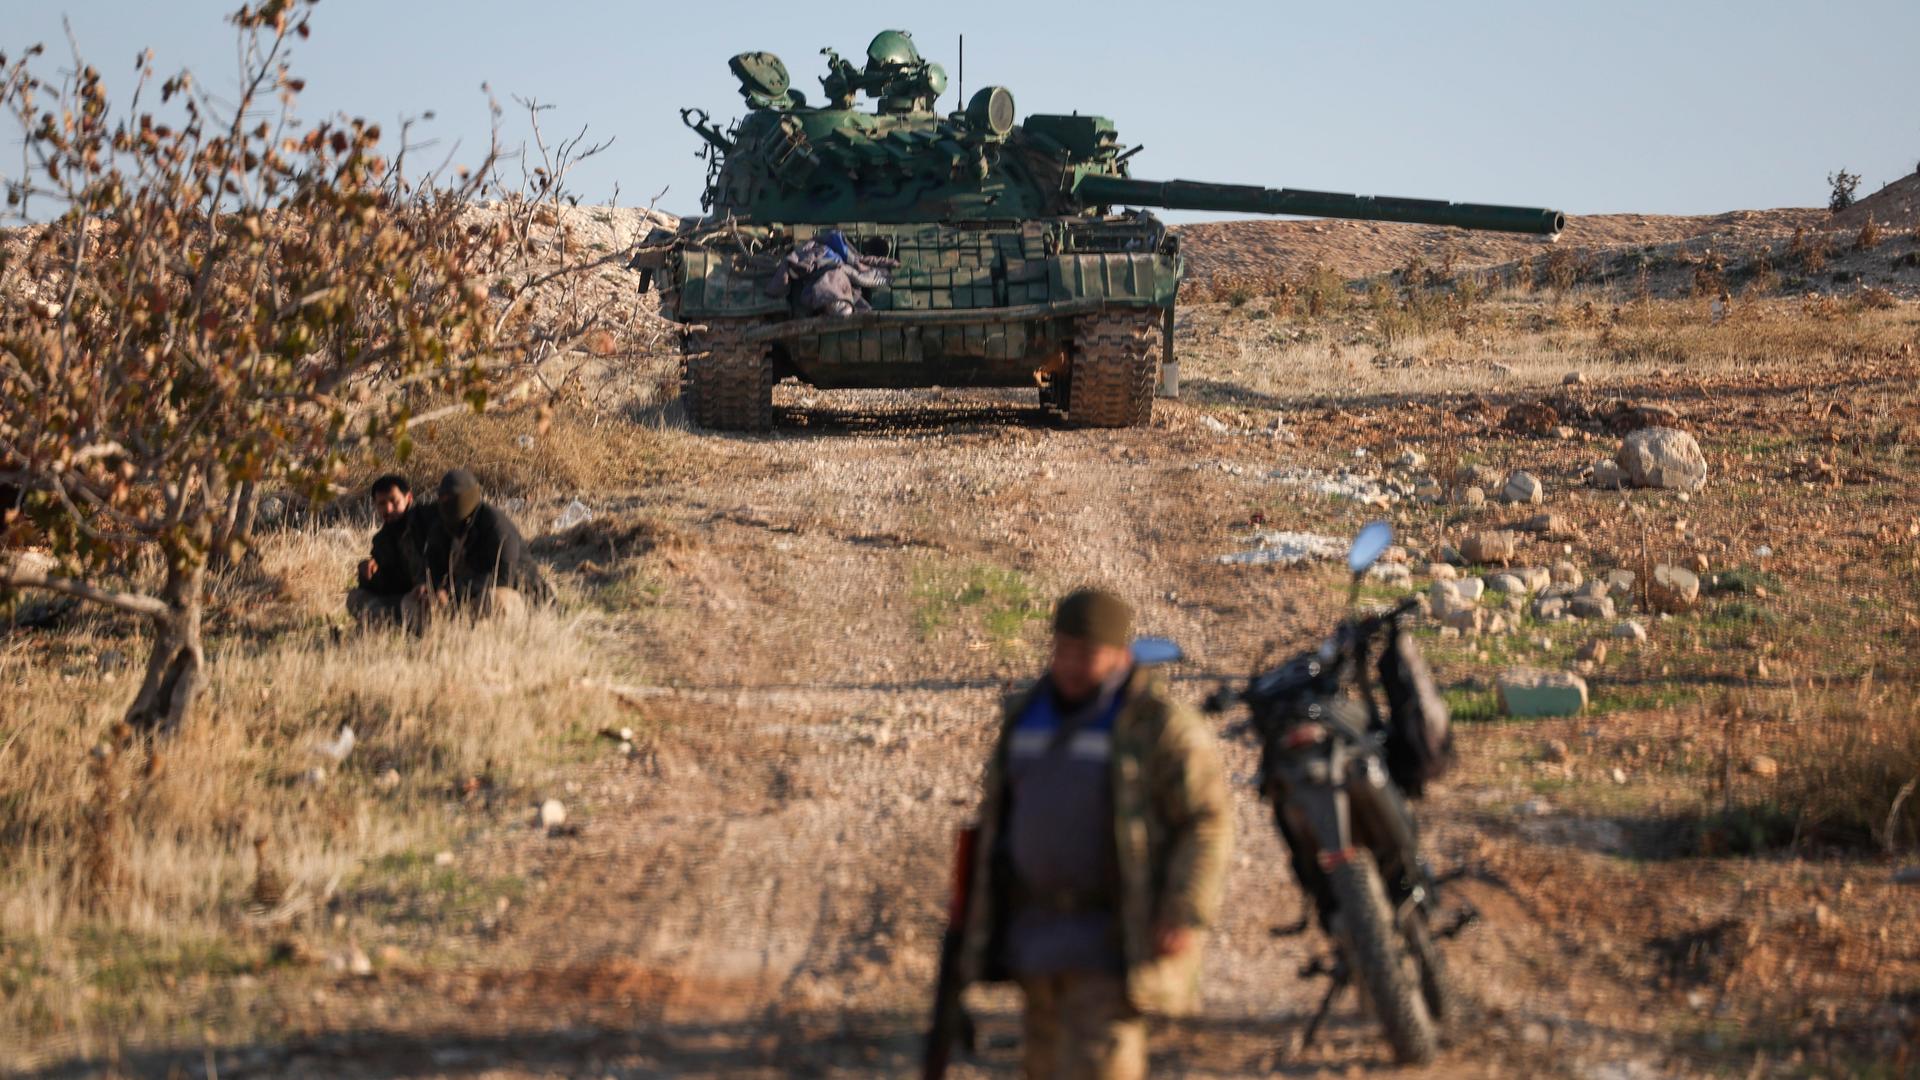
1114	366
725	381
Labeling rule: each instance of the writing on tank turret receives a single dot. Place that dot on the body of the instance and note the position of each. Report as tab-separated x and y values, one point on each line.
903	247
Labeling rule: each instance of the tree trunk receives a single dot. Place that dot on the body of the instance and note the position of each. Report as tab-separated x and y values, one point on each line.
176	666
236	522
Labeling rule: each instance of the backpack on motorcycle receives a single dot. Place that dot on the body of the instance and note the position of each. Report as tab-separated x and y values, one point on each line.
1419	744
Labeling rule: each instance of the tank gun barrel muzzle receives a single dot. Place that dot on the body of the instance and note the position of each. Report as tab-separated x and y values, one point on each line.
1102	190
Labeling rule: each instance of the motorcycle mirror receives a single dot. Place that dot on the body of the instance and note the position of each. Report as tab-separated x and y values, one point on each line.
1156	650
1372	542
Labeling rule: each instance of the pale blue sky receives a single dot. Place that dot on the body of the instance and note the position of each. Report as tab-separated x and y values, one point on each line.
1675	107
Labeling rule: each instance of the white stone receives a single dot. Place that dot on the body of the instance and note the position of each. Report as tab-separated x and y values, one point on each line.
1523	487
1660	457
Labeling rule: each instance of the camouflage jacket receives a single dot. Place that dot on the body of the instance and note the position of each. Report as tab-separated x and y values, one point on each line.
1173	827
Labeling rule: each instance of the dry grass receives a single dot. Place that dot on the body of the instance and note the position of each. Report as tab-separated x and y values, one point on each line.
1514	341
123	858
521	454
1852	770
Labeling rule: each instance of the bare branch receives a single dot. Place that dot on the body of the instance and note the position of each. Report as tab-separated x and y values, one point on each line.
13	575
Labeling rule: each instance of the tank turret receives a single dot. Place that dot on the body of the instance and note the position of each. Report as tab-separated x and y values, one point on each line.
1012	269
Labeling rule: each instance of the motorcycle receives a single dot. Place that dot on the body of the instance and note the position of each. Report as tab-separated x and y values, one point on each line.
1349	733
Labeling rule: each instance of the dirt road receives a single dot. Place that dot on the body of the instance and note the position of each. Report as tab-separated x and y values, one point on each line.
825	619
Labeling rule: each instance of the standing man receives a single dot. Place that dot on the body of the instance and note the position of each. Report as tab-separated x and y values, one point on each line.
386	575
1101	851
475	559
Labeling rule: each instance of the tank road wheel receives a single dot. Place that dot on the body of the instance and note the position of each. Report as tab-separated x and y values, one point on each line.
727	382
1114	365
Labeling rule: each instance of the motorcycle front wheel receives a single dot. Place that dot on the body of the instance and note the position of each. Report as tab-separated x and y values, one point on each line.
1377	954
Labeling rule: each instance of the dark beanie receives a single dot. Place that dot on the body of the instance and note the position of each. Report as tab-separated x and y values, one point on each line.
459	496
1094	615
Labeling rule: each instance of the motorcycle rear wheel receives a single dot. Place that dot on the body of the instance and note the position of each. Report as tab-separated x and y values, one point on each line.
1377	954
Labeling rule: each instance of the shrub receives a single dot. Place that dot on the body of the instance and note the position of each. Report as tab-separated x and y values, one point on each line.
1809	251
1325	291
1852	771
1869	237
1842	186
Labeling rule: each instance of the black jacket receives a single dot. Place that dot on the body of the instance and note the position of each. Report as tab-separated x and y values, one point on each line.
396	554
485	550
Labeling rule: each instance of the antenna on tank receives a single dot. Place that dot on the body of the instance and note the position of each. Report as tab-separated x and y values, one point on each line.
962	94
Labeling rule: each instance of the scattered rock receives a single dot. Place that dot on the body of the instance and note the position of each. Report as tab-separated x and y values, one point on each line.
1595	650
1505	583
1763	767
1470	589
1523	487
1673	589
1467	621
1663	457
1534	578
1411	459
1442	571
1536	807
1557	591
1490	547
1480	476
387	781
1450	554
1631	630
1760	670
1395	575
553	814
1288	549
443	858
1608	476
1620	584
1591	607
1552	526
1573	378
352	960
1565	573
1555	751
1549	608
1909	875
1525	692
1429	492
1473	497
1701	565
1565	433
1619	775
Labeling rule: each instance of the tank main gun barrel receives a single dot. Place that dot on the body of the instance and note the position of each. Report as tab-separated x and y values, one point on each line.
1102	190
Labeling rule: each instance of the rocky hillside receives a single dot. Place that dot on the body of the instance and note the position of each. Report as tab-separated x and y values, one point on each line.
1361	248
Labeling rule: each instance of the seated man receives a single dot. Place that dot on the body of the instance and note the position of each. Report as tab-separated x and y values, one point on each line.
387	575
474	559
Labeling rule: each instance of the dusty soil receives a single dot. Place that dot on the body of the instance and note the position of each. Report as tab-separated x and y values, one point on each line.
808	631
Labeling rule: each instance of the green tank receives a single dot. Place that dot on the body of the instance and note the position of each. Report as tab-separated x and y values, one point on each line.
1013	268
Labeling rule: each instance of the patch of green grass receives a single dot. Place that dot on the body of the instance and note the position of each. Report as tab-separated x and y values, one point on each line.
1645	697
630	590
1468	706
414	887
1740	613
1745	580
1000	600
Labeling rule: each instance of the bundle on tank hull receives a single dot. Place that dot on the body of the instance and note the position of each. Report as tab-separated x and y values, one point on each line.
1012	268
